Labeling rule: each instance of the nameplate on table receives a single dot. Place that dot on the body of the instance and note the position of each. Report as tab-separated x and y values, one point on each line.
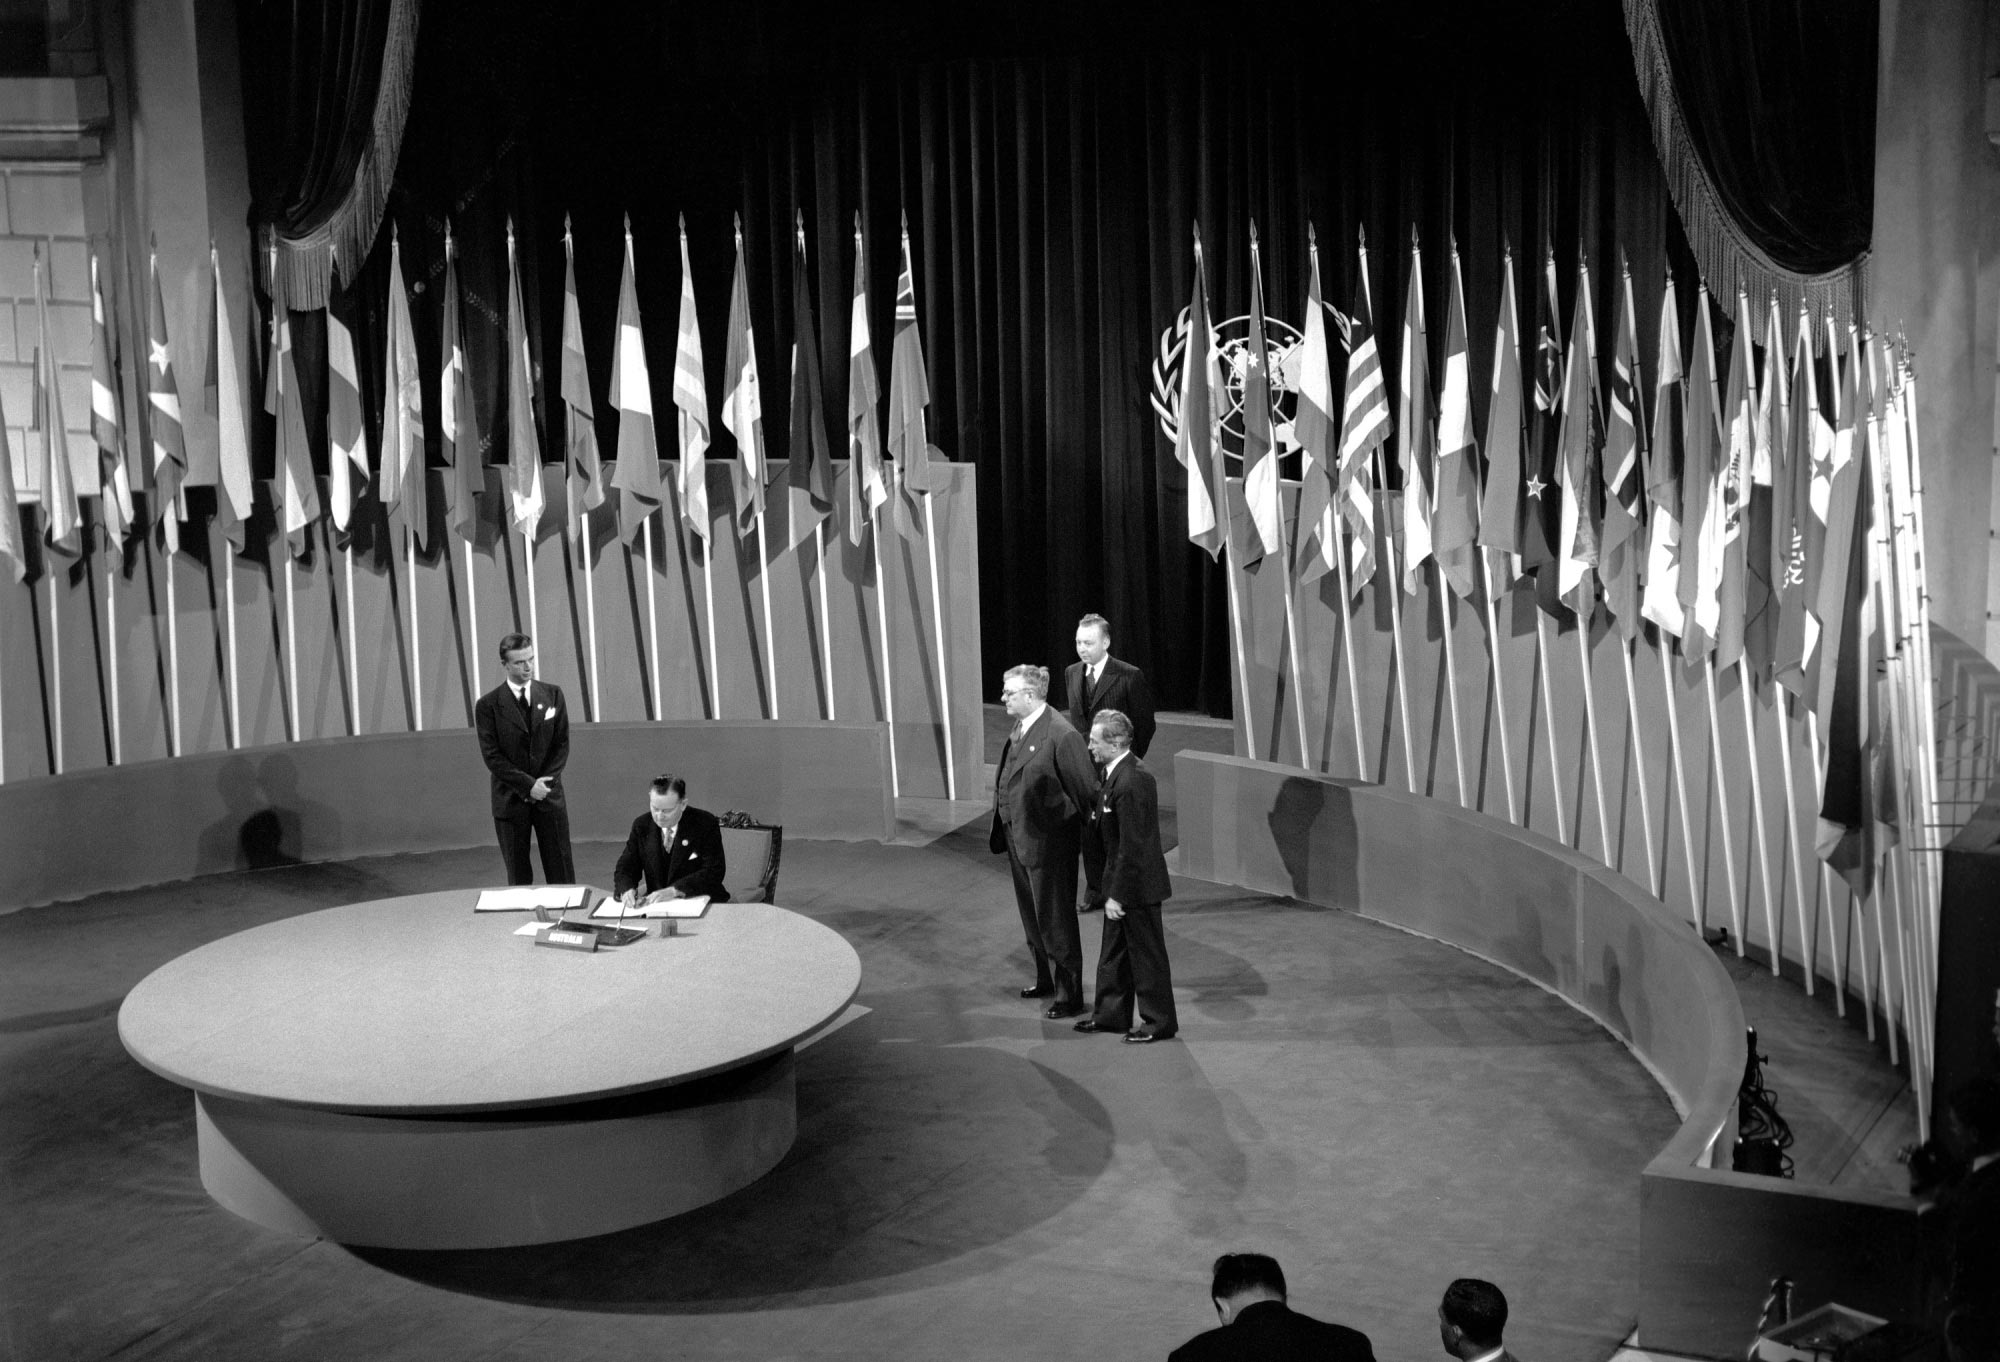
566	939
525	898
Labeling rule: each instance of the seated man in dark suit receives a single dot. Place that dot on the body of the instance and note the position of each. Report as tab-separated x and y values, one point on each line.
675	849
1470	1320
1249	1293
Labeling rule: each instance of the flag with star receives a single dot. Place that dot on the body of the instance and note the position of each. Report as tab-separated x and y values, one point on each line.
1502	509
1577	470
1364	428
163	399
1539	526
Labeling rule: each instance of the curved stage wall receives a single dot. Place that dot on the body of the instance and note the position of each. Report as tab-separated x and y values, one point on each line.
1710	1240
119	645
337	798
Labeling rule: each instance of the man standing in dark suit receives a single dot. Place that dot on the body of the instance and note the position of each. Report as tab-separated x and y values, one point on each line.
1040	798
674	848
1097	680
1470	1321
1133	958
1257	1325
524	736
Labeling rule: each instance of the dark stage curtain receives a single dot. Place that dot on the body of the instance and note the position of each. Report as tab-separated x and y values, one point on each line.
1051	164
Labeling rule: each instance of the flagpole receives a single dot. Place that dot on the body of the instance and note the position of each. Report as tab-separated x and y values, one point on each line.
1655	879
1386	537
1542	650
1347	643
111	629
1722	801
528	568
1448	612
471	606
882	621
1824	893
291	644
1785	727
1499	692
229	607
347	621
1680	781
173	659
1292	650
708	595
944	667
589	590
825	620
770	639
416	643
653	615
55	654
1610	858
1758	824
1242	671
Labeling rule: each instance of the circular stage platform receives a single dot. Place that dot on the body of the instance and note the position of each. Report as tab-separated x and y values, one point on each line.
407	1073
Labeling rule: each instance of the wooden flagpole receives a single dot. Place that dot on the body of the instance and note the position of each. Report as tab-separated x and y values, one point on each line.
1499	691
944	663
1447	612
528	570
589	593
416	643
882	620
653	617
292	646
1799	886
1542	649
1361	767
1385	536
55	655
1823	891
1292	650
1758	824
1680	780
770	638
471	611
229	608
173	657
708	594
347	627
825	621
1241	675
1722	802
1607	853
1655	875
111	629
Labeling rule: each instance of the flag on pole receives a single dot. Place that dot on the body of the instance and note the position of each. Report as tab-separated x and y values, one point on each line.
1501	509
691	405
1454	522
1260	447
1702	478
105	427
811	459
298	492
1364	427
909	387
524	440
163	395
458	419
637	476
1661	602
583	472
743	400
1582	435
402	483
1624	537
866	489
62	516
1853	812
13	542
347	448
1739	415
1798	528
1764	561
222	390
1416	431
1198	445
1317	538
1846	494
1538	525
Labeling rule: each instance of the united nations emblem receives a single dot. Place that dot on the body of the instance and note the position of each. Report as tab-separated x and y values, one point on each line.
1284	356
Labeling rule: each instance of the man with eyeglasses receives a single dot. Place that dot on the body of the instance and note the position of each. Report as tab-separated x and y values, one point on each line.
1041	796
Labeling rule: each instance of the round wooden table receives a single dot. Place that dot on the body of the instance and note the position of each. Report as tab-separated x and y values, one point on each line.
407	1073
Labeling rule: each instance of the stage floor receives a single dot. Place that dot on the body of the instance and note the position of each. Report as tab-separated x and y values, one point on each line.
1381	1112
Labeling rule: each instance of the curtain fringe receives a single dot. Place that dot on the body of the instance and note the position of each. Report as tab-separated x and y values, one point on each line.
1730	261
310	260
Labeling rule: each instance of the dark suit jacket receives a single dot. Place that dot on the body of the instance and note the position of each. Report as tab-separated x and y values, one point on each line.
1122	688
519	753
1128	829
696	865
1043	792
1270	1331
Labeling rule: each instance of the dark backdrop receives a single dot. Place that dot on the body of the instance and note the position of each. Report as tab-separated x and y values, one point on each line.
1051	163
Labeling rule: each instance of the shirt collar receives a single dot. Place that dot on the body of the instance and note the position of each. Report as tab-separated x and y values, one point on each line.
1112	765
1490	1354
1028	720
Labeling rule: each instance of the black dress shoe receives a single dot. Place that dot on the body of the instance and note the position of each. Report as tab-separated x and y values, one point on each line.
1092	1024
1039	991
1146	1037
1058	1012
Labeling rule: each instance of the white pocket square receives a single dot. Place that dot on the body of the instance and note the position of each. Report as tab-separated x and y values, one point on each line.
692	855
549	710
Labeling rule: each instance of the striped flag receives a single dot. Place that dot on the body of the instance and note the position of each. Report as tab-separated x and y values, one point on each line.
583	472
114	482
62	516
691	404
637	476
163	396
743	400
458	419
1624	475
1582	432
1701	489
1260	447
1364	428
866	489
524	439
223	392
909	386
1661	602
1317	539
1198	444
13	541
1454	519
402	486
1500	511
347	448
1416	427
811	461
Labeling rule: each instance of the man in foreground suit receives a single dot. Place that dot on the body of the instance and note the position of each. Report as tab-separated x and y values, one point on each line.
1470	1321
1133	958
674	849
1257	1325
524	736
1095	681
1040	798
